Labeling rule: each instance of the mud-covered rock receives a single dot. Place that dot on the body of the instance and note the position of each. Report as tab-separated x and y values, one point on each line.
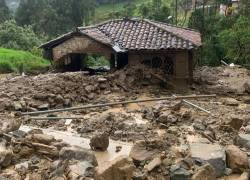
142	151
121	168
205	172
9	174
153	164
99	142
80	169
236	159
235	122
41	138
78	153
247	87
230	102
6	154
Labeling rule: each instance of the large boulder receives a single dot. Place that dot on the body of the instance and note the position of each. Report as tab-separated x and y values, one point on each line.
237	160
121	168
214	154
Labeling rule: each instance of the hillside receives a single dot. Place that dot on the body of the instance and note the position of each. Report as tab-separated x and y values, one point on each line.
14	61
104	11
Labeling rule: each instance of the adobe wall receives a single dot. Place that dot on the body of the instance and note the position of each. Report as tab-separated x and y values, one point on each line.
80	45
180	58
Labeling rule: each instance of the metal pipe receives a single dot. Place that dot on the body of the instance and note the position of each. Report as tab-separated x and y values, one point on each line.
194	105
118	103
54	118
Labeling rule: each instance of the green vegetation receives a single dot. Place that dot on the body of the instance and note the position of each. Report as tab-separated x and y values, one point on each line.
105	11
224	37
16	37
96	61
36	21
18	61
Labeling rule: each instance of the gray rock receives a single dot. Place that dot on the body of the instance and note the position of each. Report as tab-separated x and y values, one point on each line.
99	142
80	169
178	173
6	154
43	107
101	80
243	140
78	153
214	154
17	106
22	168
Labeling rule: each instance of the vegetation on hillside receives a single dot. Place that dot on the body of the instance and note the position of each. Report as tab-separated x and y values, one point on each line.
20	61
225	37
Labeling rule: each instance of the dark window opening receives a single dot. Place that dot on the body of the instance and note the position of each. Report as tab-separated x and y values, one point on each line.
156	62
169	66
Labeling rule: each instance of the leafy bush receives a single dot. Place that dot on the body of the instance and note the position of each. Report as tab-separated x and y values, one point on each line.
15	37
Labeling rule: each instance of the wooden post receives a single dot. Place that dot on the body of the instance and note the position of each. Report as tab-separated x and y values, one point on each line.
190	66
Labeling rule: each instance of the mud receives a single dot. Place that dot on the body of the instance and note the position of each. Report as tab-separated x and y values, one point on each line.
167	131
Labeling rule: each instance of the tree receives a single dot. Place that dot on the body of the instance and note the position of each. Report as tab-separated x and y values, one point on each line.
245	8
129	8
155	10
236	42
4	11
54	17
16	37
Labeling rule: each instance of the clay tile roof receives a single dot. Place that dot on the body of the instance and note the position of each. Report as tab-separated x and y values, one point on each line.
134	34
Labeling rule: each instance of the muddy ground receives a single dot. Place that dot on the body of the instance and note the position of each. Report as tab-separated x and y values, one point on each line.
152	140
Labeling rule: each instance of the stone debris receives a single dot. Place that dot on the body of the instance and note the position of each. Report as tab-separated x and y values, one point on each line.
153	164
143	151
205	172
100	142
213	154
237	160
169	139
243	140
121	168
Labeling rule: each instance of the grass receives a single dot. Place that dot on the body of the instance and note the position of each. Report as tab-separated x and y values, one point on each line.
18	61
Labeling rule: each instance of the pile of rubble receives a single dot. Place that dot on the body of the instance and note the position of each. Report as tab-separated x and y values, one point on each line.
31	93
223	79
169	139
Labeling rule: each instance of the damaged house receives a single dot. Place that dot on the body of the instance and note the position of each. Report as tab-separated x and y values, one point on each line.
129	42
